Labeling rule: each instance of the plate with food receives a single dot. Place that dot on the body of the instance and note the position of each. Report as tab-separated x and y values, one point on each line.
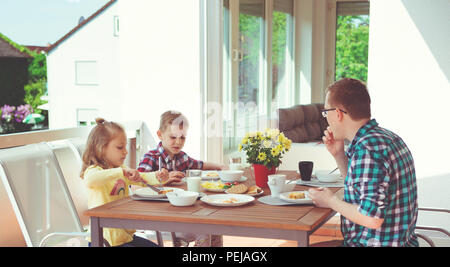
151	194
298	197
210	175
217	186
227	200
243	189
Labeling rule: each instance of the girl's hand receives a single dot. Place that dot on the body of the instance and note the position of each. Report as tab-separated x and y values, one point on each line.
132	175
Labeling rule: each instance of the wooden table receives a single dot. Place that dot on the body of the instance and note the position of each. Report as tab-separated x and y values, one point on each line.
256	219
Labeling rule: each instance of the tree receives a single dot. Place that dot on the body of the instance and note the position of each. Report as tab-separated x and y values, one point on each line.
352	46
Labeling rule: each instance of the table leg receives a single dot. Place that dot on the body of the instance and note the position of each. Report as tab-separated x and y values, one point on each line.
302	239
96	232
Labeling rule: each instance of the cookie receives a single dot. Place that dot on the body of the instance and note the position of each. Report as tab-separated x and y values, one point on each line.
237	189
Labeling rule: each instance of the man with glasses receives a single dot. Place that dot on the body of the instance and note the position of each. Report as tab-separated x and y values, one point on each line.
380	199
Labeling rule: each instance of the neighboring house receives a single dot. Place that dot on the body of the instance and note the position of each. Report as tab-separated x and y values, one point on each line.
13	72
83	71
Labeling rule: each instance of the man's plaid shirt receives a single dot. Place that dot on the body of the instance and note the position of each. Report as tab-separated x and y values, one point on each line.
381	180
181	162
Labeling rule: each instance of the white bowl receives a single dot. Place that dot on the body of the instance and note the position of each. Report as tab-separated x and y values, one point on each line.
289	187
231	175
325	176
182	198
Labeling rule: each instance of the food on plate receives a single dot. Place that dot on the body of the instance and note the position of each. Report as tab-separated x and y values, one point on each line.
214	185
254	190
297	195
238	189
163	192
231	200
212	174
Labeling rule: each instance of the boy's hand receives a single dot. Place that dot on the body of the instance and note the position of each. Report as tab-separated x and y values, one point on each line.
176	175
162	174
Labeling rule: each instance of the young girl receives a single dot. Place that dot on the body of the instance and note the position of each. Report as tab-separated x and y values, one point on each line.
107	179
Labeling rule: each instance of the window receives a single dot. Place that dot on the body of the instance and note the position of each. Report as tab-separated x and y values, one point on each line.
86	73
352	40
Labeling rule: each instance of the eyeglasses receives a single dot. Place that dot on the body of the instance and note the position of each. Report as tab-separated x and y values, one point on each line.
325	111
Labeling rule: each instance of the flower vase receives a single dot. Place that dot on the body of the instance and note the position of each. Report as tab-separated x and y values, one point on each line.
261	174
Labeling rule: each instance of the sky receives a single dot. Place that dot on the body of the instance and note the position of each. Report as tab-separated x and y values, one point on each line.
40	22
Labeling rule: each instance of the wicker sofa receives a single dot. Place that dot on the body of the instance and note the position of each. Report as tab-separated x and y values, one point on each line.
304	125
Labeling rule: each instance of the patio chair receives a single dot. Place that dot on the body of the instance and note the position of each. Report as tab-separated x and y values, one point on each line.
68	154
39	195
428	233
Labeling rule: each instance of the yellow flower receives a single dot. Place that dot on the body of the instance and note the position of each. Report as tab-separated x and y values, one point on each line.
262	156
245	140
275	152
240	147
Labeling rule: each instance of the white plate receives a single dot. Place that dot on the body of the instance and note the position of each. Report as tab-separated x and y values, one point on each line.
243	179
206	177
147	192
285	197
220	200
213	189
253	195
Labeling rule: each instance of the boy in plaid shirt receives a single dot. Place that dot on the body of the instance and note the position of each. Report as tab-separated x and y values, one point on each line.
380	198
169	155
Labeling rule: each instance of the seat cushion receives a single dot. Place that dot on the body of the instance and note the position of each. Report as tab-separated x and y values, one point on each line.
302	123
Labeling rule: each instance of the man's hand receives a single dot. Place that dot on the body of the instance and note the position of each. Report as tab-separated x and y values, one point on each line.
335	147
321	197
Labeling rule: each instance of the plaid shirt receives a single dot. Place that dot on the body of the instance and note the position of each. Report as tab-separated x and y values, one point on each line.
181	162
381	180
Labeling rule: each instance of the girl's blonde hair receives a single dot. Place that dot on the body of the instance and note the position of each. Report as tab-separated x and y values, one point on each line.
98	139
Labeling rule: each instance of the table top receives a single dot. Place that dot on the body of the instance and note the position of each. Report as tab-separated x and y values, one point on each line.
255	214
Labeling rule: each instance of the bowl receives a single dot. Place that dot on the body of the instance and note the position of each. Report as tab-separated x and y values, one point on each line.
182	198
231	175
289	187
326	177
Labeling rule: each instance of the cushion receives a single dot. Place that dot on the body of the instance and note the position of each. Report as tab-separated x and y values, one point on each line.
302	123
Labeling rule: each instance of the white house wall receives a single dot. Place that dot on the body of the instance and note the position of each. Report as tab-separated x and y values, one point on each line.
95	41
160	63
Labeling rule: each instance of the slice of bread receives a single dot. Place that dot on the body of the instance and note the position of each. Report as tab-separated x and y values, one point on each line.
237	189
254	189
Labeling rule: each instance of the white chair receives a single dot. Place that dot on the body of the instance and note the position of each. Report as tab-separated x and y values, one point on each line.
69	155
38	193
428	233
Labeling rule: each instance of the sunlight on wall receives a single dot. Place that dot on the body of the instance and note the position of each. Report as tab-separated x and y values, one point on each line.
409	89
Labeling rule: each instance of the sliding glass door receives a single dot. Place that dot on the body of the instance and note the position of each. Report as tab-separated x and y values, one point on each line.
258	65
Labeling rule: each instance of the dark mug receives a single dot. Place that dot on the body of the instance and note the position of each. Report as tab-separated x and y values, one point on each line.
305	168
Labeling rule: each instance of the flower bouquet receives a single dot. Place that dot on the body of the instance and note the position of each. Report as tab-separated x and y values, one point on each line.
264	150
11	118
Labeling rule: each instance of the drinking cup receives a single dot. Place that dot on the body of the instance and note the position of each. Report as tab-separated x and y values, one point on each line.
193	184
193	173
305	168
235	163
276	184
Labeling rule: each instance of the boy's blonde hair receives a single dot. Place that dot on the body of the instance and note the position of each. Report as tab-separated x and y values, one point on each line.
98	139
172	117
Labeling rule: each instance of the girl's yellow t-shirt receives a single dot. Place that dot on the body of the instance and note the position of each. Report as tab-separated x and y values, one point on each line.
107	185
